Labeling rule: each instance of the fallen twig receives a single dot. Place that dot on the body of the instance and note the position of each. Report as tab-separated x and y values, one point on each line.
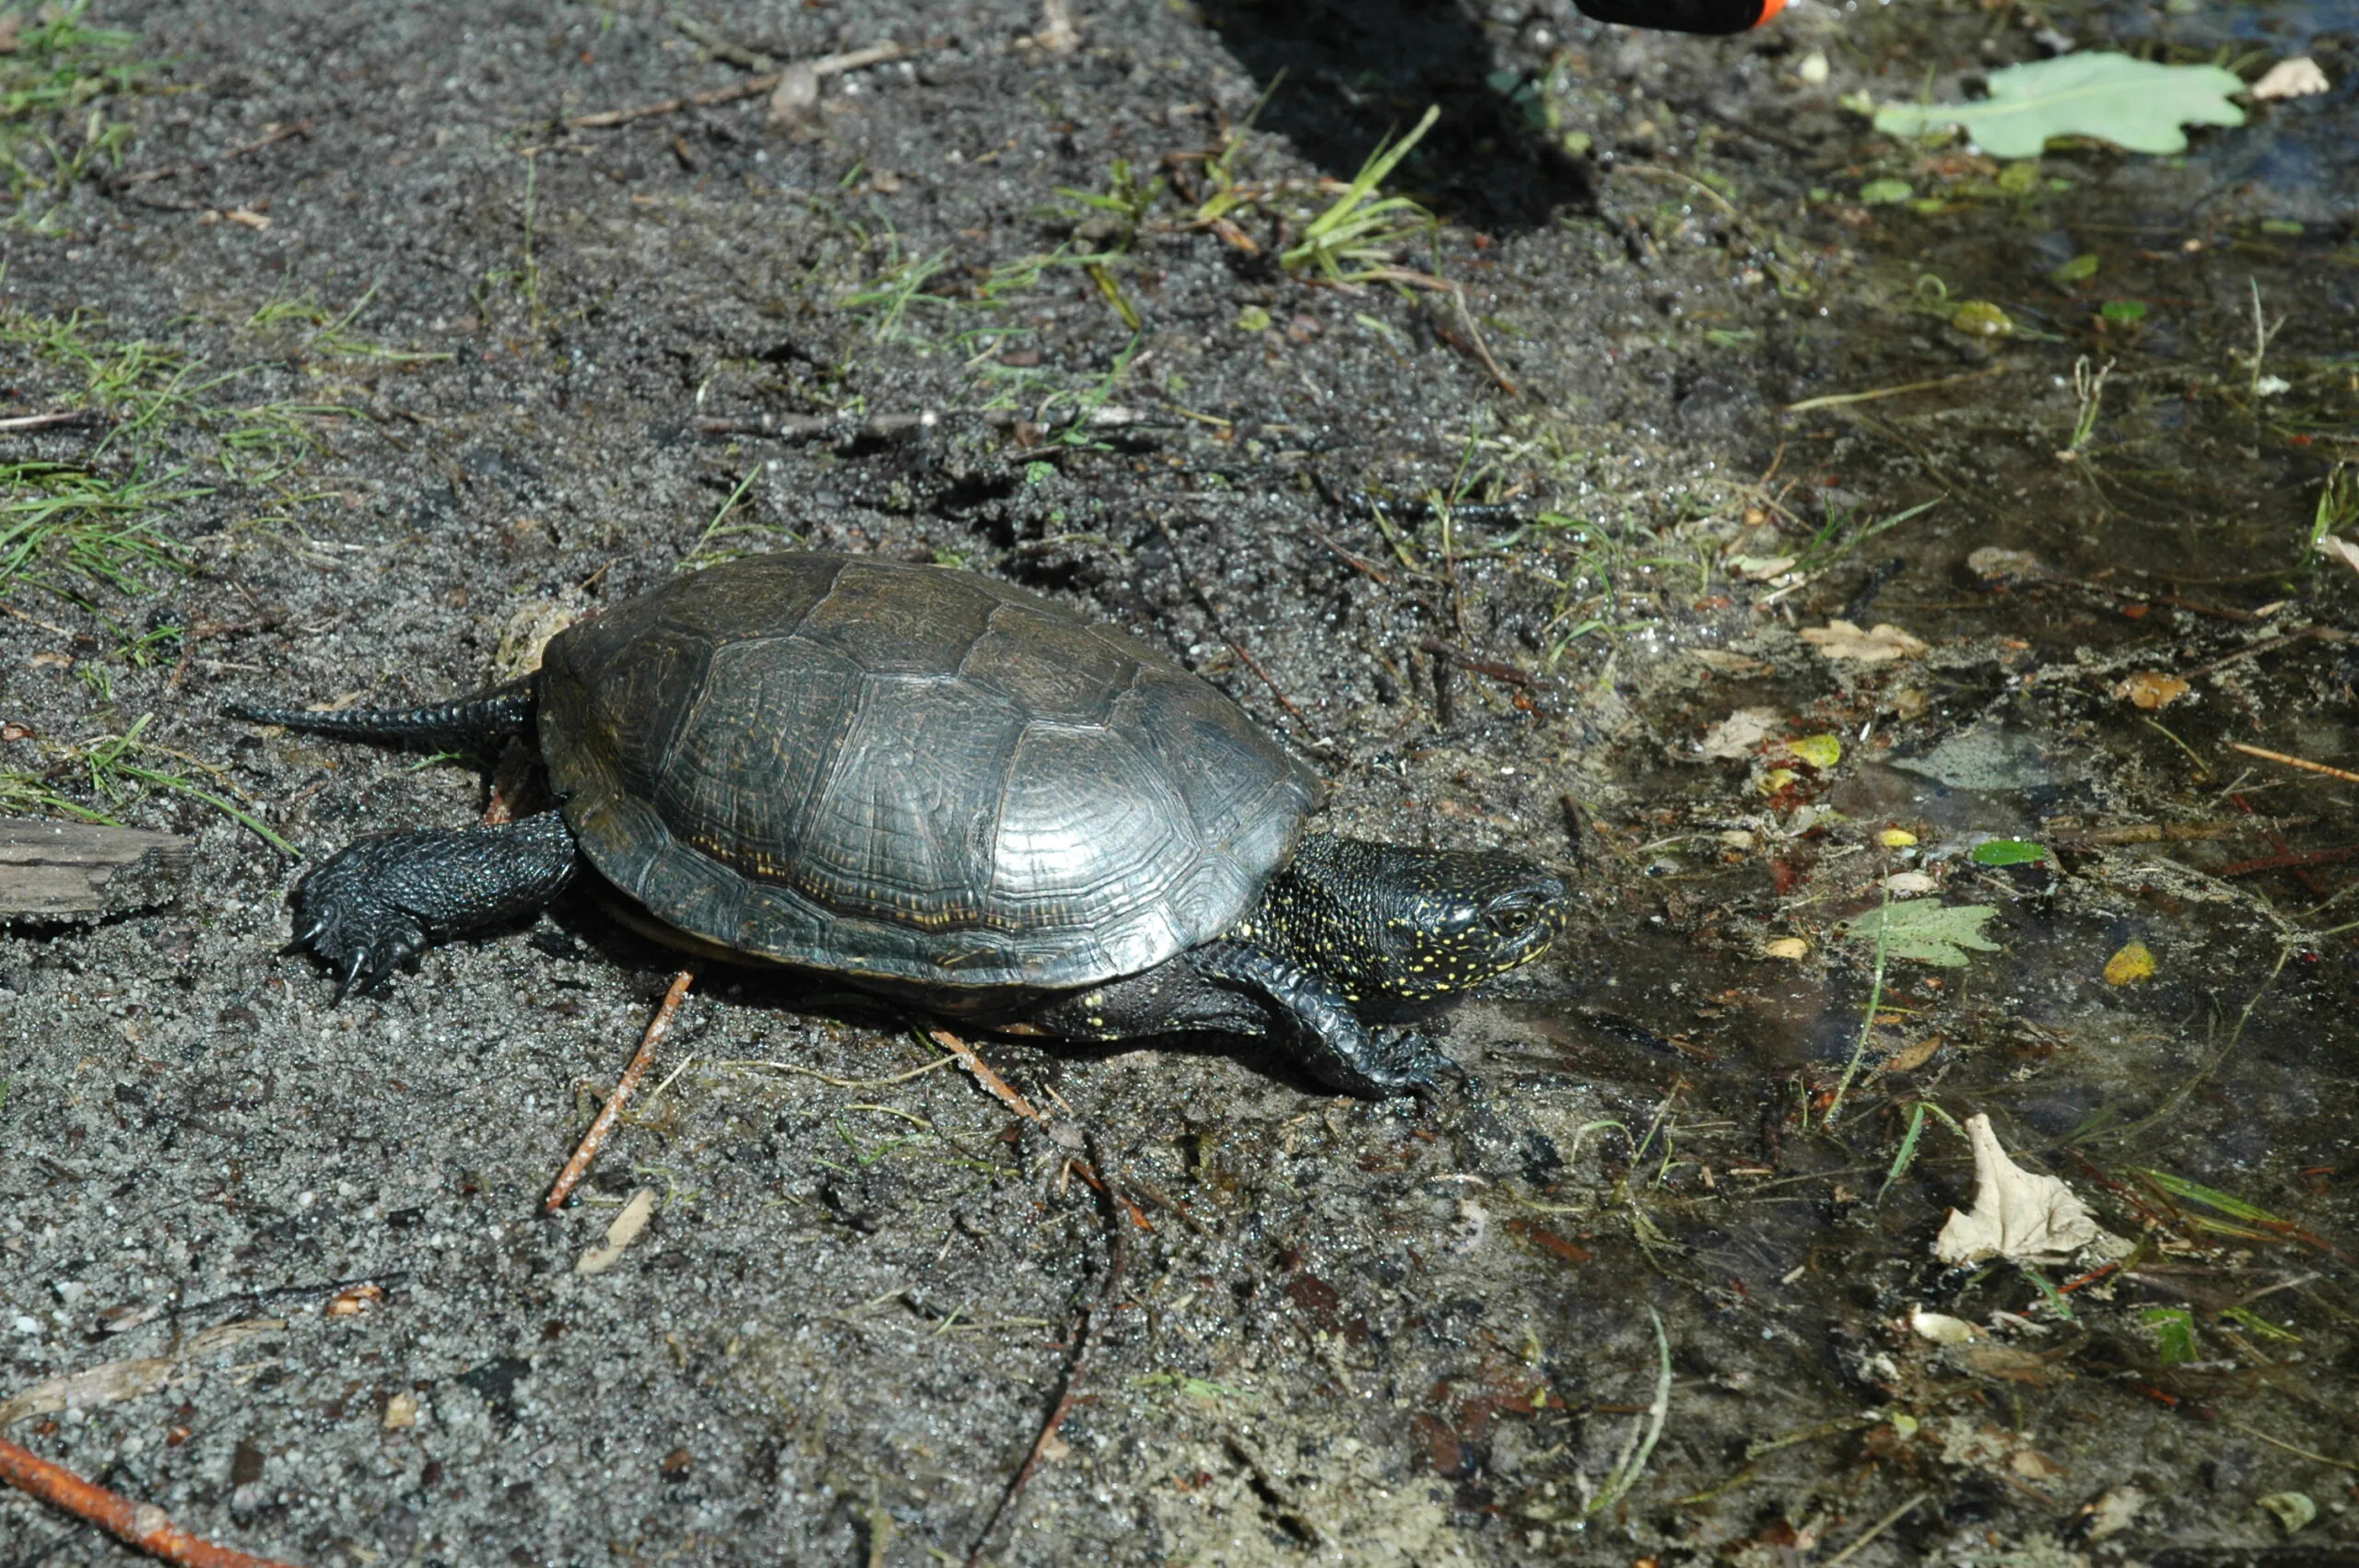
1876	1529
1480	666
980	1071
754	87
1357	564
595	1139
2289	861
2277	842
1843	400
2171	832
1085	1339
1472	344
140	1526
805	426
270	134
44	421
2306	765
2299	633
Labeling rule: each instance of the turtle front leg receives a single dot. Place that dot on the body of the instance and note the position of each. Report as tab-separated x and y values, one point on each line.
384	898
1319	1027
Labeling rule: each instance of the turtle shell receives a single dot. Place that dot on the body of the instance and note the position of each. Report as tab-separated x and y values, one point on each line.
911	776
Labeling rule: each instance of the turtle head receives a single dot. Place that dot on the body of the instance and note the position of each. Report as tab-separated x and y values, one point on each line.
1412	923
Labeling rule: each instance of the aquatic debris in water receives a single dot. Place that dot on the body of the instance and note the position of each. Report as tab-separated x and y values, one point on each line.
2135	104
2151	689
1942	1328
2135	961
1845	642
2016	1213
1740	735
1928	933
2291	1509
2298	78
1979	318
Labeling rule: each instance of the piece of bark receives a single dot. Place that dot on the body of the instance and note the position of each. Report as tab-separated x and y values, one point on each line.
63	871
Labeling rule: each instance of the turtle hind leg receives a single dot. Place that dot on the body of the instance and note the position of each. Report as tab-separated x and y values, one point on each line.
1234	987
382	900
474	721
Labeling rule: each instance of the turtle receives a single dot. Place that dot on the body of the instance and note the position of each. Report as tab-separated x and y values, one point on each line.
944	790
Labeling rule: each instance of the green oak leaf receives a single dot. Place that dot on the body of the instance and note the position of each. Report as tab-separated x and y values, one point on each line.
1927	931
2132	103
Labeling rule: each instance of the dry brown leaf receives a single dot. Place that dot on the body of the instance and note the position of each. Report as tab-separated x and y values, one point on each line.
2016	1213
1911	1056
2151	689
2015	1365
2032	1463
2298	78
1740	735
2338	549
1846	643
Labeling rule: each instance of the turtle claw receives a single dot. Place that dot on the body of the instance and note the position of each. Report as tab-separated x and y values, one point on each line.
352	967
1405	1061
342	915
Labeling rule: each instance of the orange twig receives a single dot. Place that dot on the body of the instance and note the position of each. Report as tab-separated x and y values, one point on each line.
1005	1093
2306	765
595	1139
141	1525
980	1071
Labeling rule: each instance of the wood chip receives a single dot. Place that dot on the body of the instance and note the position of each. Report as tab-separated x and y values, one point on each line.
620	1234
53	871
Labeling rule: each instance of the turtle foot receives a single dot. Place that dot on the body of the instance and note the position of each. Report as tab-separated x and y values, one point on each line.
345	916
382	901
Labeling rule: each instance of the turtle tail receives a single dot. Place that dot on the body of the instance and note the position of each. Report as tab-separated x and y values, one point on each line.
476	720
